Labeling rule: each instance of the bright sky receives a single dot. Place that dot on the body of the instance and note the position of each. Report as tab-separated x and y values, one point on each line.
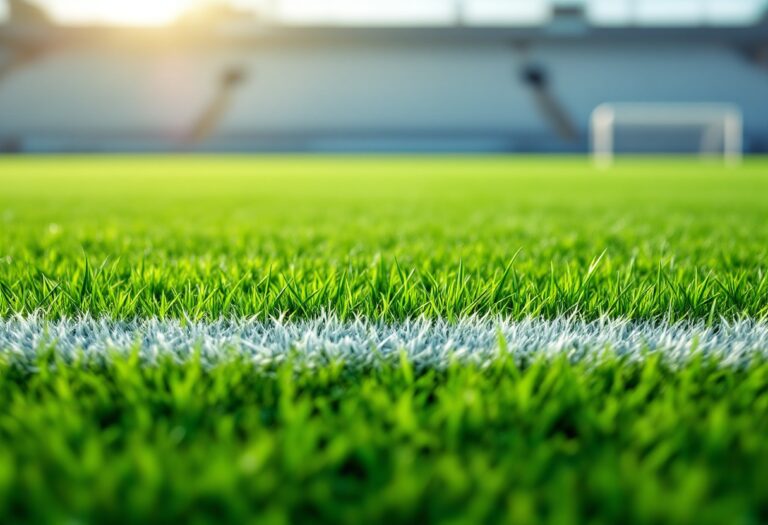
159	12
122	12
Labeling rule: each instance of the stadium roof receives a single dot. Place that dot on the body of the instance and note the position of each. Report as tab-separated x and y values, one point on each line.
620	13
244	34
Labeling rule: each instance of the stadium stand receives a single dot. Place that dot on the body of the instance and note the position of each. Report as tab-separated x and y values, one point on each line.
327	88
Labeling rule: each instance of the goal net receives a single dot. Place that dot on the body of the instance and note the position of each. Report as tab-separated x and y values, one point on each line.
707	130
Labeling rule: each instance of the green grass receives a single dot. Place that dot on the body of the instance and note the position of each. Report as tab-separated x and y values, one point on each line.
122	440
387	238
553	442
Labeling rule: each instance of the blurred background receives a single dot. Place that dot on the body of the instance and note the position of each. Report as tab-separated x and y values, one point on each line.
678	76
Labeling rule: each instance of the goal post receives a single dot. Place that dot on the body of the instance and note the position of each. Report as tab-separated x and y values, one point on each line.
707	130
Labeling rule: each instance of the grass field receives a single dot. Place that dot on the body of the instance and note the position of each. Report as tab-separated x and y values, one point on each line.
382	238
359	339
555	443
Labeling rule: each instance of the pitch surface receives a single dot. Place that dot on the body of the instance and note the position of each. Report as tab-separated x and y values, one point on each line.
380	340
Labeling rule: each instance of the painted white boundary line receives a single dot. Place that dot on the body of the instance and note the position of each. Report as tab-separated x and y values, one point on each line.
428	343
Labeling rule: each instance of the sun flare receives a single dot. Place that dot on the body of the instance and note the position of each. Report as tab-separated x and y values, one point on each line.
125	12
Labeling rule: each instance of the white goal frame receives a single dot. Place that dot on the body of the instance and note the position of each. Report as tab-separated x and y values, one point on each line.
722	127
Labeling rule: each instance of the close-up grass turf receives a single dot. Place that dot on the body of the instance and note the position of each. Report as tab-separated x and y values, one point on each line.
386	238
383	340
617	442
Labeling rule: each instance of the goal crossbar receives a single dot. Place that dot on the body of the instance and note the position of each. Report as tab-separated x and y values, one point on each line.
724	119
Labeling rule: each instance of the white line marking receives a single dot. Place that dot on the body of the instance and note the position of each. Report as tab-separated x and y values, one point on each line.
426	342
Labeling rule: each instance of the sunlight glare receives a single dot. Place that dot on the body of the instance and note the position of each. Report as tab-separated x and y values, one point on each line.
122	12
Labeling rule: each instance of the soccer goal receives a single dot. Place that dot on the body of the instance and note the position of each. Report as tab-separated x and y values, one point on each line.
707	130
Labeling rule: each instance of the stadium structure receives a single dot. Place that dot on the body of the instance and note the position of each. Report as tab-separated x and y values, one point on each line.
254	84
